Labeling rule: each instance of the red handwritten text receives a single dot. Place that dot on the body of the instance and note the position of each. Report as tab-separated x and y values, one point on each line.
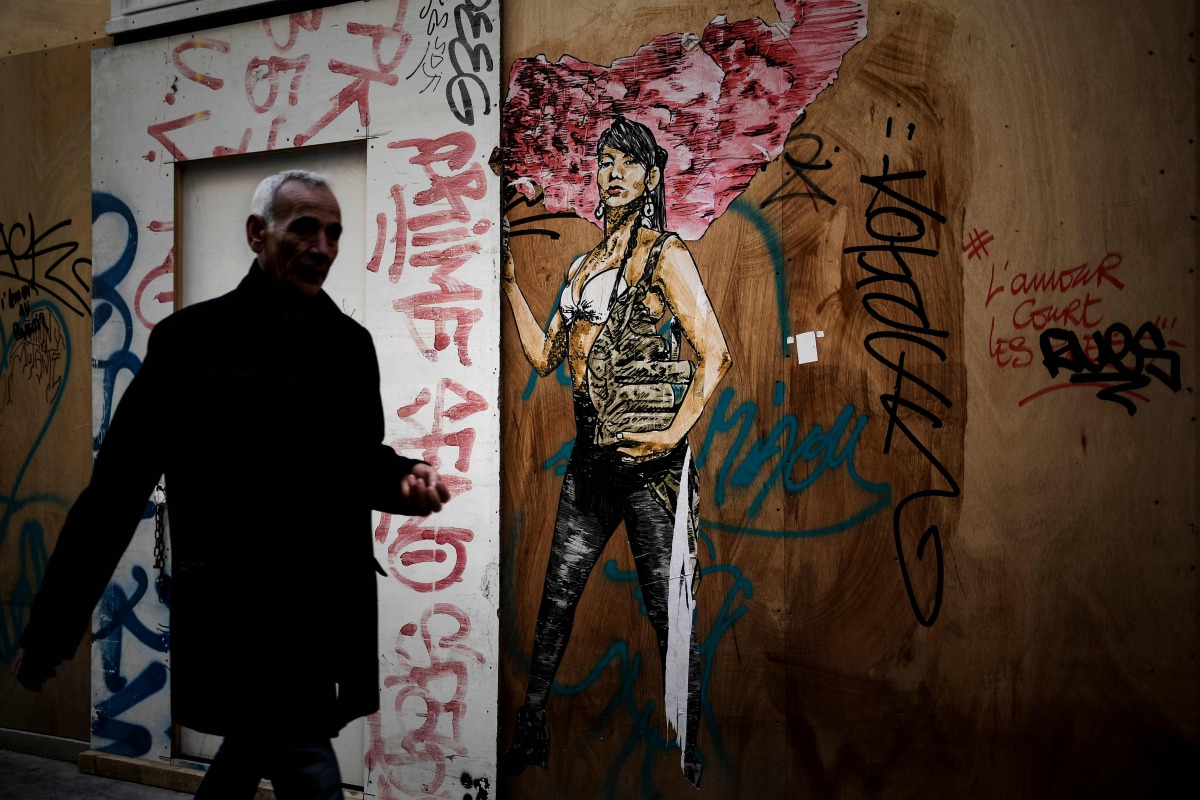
435	694
444	242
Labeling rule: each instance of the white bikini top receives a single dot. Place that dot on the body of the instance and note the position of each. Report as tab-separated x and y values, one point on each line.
593	305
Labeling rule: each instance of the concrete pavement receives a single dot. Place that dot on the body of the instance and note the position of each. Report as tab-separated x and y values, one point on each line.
29	777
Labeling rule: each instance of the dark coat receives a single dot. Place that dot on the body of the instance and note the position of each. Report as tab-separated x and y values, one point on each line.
262	408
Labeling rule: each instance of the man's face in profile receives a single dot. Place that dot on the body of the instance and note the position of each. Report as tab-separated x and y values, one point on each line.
299	247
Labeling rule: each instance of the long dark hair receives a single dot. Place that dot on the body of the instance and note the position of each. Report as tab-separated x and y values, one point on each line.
637	141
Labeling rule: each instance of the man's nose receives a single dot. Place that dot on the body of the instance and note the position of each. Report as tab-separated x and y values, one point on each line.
322	244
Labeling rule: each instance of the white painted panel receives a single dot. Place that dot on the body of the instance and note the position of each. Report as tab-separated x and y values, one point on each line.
216	201
378	73
130	680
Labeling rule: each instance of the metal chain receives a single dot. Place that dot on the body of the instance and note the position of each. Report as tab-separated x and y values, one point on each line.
160	545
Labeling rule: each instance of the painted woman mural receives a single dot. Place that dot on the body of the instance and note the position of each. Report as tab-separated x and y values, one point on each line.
663	140
635	400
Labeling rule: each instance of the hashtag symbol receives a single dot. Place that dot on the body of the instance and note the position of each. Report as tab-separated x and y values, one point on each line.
978	244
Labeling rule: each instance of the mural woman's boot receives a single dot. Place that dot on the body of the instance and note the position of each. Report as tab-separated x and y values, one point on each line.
692	766
530	744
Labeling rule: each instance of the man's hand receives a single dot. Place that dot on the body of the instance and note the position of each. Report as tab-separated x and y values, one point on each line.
424	490
32	672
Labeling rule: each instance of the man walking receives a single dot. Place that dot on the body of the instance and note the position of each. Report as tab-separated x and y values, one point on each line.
262	408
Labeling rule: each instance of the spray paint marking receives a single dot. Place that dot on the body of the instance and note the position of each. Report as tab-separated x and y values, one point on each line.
44	358
117	615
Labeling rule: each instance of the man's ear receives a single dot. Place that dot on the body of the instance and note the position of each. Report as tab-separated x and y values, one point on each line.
256	232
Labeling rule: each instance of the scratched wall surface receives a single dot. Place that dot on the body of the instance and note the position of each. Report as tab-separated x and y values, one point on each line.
45	336
421	88
954	555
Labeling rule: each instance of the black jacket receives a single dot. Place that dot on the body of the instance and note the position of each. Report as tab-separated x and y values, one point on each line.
262	408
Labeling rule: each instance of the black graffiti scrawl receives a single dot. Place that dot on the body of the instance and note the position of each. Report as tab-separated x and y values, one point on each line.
1123	361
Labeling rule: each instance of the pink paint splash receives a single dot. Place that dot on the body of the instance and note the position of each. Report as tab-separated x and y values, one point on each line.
721	105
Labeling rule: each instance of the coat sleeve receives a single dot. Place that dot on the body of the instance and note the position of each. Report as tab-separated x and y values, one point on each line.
383	467
103	519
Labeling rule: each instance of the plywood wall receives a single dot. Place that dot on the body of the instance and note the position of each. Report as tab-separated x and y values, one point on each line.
1048	643
30	25
989	589
45	348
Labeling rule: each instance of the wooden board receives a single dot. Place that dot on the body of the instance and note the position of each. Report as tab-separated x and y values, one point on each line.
45	377
1062	658
30	25
1049	647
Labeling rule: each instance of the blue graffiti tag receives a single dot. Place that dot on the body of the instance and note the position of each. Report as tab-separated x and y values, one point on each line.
128	739
32	543
829	449
747	210
781	452
116	609
107	301
117	615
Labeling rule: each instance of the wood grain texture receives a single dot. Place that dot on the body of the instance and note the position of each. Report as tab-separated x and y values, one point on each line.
1062	659
30	25
45	374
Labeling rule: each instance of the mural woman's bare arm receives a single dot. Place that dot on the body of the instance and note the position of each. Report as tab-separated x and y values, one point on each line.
543	349
685	294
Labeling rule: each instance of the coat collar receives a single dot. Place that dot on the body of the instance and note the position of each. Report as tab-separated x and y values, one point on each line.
266	295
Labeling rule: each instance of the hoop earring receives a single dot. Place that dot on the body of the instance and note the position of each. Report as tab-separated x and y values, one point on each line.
600	210
648	212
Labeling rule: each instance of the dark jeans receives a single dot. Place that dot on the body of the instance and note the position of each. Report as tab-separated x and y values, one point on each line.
580	535
600	490
299	770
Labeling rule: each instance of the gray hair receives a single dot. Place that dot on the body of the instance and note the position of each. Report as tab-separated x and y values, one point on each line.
263	203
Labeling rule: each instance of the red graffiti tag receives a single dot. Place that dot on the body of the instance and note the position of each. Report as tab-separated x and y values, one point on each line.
399	239
435	694
455	150
416	548
274	67
446	201
427	306
194	75
306	20
357	91
437	437
1026	303
167	267
274	134
159	131
222	150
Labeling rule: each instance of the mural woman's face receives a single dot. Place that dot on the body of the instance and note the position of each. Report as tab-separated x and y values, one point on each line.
622	180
